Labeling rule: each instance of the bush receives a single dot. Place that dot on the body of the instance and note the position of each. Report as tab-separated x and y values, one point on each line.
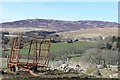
98	56
5	40
4	55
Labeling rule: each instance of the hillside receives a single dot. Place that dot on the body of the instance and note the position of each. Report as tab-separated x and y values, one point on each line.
58	25
91	32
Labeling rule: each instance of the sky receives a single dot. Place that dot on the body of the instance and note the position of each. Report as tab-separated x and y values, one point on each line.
59	0
71	11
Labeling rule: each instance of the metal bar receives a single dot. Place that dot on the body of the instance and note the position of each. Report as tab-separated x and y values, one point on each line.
11	50
29	52
47	61
39	50
12	57
36	50
19	43
31	72
15	52
34	59
46	58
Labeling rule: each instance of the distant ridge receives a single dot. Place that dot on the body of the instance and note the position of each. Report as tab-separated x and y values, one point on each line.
59	25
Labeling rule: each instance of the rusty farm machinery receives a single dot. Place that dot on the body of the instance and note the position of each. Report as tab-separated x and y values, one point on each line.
37	55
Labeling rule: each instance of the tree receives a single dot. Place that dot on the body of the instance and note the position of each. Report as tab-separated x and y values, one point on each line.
110	57
108	46
92	56
108	39
100	56
114	45
114	39
99	38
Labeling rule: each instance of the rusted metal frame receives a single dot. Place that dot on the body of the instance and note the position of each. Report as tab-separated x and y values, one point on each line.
15	48
34	42
29	52
31	72
34	53
11	59
13	51
19	43
48	52
33	45
43	42
47	61
36	50
40	43
18	50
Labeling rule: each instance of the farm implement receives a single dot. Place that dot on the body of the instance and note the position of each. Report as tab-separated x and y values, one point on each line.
37	55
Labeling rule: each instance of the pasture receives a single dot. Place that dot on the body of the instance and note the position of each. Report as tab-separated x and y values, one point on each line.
56	48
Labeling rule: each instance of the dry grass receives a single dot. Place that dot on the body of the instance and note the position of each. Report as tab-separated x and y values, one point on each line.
91	32
23	29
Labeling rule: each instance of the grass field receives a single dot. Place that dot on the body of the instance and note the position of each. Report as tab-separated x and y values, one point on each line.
58	47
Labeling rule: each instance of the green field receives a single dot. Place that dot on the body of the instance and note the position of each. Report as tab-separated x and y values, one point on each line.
58	47
62	46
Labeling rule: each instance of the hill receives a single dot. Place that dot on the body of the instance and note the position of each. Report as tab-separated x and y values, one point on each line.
58	25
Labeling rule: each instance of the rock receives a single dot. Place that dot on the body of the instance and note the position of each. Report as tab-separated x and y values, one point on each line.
77	65
3	72
115	75
56	64
96	72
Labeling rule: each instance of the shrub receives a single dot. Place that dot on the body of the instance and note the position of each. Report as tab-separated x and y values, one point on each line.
98	56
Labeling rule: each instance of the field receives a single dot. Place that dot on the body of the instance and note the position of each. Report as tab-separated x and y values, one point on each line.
92	32
58	47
